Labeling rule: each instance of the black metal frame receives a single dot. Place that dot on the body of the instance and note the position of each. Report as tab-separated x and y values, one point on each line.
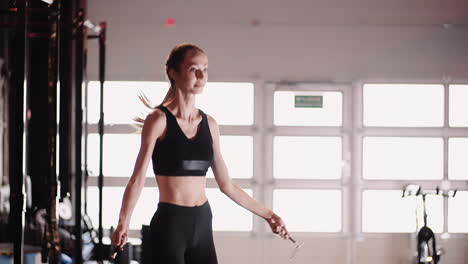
53	66
102	74
101	31
67	59
15	132
79	70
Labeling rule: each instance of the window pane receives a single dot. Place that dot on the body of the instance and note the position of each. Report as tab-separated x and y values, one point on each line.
119	154
212	101
228	103
121	103
399	158
112	199
403	105
309	210
457	213
457	159
307	157
237	153
227	215
458	108
386	212
286	114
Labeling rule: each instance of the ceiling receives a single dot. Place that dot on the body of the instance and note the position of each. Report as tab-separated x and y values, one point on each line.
289	13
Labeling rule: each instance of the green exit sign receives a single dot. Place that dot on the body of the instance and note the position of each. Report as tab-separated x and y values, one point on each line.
308	101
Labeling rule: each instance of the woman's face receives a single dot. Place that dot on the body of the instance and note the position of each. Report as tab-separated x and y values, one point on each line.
193	73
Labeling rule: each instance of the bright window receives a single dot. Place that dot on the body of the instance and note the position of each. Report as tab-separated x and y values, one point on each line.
457	213
112	200
307	157
120	152
309	210
237	153
403	105
121	103
286	114
458	108
386	211
399	158
227	215
457	159
228	103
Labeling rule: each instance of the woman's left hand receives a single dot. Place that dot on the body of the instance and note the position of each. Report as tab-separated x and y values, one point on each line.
277	226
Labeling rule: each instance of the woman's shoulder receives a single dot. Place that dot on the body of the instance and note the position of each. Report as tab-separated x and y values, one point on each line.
157	113
211	120
155	121
213	125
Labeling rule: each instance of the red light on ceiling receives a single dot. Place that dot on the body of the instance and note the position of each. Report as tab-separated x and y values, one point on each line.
170	22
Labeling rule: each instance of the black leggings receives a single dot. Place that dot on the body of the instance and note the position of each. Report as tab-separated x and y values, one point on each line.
182	235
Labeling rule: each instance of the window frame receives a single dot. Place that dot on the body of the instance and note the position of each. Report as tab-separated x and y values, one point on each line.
225	130
344	131
445	132
352	133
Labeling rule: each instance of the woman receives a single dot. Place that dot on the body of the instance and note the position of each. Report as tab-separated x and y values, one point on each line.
183	142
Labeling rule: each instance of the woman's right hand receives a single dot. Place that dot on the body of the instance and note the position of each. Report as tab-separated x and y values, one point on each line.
120	236
277	225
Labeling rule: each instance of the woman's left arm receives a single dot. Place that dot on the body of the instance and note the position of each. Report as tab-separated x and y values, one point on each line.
233	191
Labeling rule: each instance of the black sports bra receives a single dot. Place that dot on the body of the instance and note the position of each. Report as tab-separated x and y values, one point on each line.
177	155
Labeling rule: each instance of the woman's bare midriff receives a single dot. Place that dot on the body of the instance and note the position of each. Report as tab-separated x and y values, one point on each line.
182	190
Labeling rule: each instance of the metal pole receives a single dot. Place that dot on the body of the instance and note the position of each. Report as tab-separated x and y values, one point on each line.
102	72
66	110
16	129
52	231
79	54
424	209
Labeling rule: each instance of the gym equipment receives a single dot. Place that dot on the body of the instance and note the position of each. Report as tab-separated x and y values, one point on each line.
428	253
297	247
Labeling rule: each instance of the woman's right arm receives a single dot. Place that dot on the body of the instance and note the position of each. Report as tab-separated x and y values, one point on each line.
152	129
